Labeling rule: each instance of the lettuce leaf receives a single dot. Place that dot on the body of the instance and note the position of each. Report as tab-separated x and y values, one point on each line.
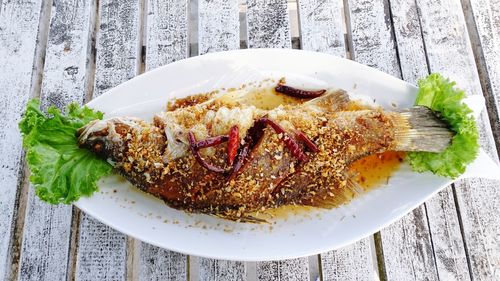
441	95
61	172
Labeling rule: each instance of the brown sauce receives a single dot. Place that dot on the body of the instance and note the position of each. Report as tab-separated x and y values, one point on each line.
268	98
261	97
284	212
375	170
369	172
189	100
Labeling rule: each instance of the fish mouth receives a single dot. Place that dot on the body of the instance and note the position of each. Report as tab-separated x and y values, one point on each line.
93	137
94	129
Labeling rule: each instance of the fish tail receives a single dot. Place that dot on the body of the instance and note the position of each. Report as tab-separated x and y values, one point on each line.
420	129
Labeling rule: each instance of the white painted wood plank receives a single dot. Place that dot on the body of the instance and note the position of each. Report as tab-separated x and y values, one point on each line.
447	241
284	270
221	270
479	205
483	18
18	68
410	44
166	42
159	264
167	32
372	37
212	269
292	269
218	26
321	26
354	262
118	43
102	251
407	248
47	229
268	24
449	52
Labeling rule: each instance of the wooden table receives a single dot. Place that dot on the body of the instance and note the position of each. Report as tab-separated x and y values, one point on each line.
74	50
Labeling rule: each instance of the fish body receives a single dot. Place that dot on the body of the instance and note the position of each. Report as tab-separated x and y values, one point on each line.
157	157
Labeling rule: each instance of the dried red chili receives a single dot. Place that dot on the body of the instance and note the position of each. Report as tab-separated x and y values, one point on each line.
239	161
294	148
301	136
199	159
298	93
290	143
233	144
212	141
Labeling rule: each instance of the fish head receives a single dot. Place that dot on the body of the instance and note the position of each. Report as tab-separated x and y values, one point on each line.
108	138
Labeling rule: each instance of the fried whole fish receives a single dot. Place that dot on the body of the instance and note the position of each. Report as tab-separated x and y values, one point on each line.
292	154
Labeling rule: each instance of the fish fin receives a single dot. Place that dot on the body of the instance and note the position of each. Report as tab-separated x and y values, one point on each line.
332	100
420	129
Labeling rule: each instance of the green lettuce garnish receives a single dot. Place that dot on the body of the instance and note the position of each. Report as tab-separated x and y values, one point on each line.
439	94
61	172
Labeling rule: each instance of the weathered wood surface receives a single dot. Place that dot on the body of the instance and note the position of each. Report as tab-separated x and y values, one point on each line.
410	44
449	52
321	23
167	32
409	245
219	270
102	251
292	269
218	26
371	35
20	61
47	228
411	249
483	19
354	262
159	264
284	270
447	242
166	42
268	24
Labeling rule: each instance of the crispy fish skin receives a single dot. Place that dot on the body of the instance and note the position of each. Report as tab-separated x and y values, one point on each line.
271	175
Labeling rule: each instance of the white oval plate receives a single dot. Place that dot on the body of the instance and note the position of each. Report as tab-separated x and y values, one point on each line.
144	217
